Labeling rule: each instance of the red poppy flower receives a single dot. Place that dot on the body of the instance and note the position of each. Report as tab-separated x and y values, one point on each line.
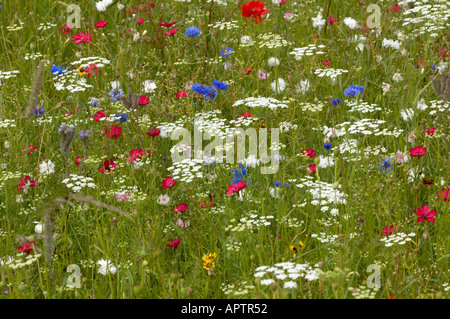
154	132
311	169
108	166
140	21
65	29
181	94
135	154
27	247
171	32
168	182
114	132
101	24
167	25
425	214
430	131
143	100
82	38
92	69
99	115
79	160
309	153
235	188
254	9
246	71
180	208
206	204
418	151
246	114
388	230
445	193
174	243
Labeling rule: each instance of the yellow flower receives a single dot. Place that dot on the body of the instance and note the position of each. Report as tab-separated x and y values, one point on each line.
81	71
302	245
208	261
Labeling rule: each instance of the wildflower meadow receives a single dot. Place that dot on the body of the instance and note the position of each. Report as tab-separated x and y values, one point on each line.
224	149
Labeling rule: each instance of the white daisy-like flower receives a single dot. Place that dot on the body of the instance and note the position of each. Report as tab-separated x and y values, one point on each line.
351	23
397	77
279	85
386	87
318	22
149	86
106	267
273	62
46	167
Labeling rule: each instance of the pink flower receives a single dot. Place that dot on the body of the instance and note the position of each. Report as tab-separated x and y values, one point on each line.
82	38
425	214
143	100
332	20
206	204
167	25
311	169
309	153
140	21
246	71
262	75
445	195
26	181
79	160
388	230
327	63
91	69
101	24
246	114
171	32
124	197
182	224
174	243
430	131
168	182
418	151
401	158
65	29
108	166
235	188
181	94
27	247
180	208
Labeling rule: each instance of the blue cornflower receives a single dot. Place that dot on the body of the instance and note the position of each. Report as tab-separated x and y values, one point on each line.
220	85
386	165
38	110
199	89
211	93
192	32
433	66
327	146
227	52
58	70
122	117
354	90
115	95
94	102
336	101
279	184
239	174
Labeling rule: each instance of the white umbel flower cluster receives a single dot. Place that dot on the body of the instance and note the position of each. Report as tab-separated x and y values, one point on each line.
102	5
391	44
